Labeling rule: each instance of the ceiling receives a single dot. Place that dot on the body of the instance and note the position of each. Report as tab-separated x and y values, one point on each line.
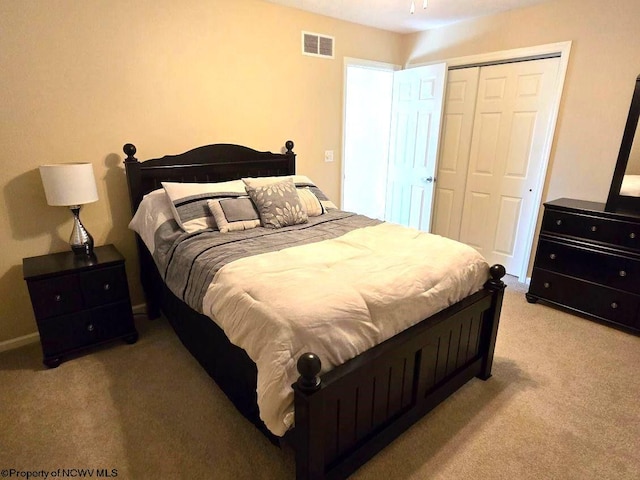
394	15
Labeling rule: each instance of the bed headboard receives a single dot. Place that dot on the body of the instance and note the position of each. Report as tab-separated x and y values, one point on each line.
210	163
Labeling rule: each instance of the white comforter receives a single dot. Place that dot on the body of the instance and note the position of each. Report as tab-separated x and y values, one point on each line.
336	298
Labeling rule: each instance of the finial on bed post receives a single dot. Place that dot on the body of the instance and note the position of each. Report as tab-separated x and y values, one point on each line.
289	146
497	271
309	366
130	150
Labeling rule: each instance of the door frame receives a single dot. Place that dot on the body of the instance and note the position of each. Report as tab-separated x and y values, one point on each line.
563	49
358	62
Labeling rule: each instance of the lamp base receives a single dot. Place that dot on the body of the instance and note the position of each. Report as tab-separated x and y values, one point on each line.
81	241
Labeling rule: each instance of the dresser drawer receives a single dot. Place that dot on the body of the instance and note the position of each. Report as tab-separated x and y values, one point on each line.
616	271
605	230
103	286
55	296
586	297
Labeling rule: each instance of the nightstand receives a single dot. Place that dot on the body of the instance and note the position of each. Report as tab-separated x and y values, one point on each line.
79	301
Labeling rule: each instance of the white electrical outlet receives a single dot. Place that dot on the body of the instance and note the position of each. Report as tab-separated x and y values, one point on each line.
328	155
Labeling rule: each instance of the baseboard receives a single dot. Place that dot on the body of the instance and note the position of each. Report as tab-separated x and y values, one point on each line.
19	342
140	309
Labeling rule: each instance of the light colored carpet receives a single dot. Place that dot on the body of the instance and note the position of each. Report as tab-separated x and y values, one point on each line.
563	403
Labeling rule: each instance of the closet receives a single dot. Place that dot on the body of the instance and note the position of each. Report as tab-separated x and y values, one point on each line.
492	164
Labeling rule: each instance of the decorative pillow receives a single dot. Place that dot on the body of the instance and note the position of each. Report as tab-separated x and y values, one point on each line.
310	202
189	201
300	181
233	214
278	204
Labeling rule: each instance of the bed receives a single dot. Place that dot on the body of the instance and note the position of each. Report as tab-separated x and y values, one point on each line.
340	416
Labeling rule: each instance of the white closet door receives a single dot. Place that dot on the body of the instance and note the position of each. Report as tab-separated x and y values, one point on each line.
418	96
455	145
510	128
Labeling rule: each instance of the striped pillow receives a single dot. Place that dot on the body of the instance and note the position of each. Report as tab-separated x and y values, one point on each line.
189	201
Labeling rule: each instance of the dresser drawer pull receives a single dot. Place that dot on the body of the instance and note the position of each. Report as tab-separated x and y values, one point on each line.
57	297
632	235
546	284
594	228
558	222
90	327
622	273
614	305
106	287
552	256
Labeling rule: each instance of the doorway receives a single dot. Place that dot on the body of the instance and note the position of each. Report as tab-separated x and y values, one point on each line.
367	123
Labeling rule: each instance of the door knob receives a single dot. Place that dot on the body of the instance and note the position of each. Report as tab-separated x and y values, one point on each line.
428	179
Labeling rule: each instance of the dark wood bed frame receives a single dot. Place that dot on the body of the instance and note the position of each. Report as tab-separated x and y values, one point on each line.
347	415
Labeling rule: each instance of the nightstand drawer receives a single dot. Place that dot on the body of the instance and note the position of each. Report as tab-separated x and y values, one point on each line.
615	271
586	297
70	332
55	296
605	230
103	286
102	324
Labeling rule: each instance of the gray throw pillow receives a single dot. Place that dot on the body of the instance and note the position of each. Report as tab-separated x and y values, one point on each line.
234	214
278	204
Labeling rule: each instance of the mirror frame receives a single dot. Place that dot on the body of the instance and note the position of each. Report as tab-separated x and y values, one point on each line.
615	201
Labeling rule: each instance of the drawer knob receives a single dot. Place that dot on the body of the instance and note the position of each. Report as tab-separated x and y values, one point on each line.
106	287
90	327
552	256
632	235
57	297
558	222
614	305
546	284
594	228
622	273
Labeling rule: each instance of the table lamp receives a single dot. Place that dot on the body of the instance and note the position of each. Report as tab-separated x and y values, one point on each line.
71	185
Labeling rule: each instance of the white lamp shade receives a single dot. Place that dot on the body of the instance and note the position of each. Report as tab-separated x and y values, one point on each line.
67	184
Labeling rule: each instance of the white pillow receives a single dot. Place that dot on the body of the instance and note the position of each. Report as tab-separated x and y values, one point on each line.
153	211
189	201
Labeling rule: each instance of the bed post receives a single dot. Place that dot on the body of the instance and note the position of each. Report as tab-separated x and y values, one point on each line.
132	168
290	155
496	286
309	419
134	181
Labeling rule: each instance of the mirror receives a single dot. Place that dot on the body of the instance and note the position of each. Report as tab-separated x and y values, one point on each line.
624	195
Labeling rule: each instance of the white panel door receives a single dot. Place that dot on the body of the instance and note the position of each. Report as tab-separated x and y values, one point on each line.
513	112
416	115
455	145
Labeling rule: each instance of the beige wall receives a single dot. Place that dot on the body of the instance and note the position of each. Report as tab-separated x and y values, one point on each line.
603	66
81	78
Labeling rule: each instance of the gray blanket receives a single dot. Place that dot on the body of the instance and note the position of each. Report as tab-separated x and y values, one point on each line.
188	262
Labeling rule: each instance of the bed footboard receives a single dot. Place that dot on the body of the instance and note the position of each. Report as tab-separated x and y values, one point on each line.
355	410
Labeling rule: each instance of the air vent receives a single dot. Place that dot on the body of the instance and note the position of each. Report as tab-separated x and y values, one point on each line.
317	45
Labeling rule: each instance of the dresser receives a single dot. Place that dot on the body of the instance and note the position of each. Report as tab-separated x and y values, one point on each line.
79	301
588	261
